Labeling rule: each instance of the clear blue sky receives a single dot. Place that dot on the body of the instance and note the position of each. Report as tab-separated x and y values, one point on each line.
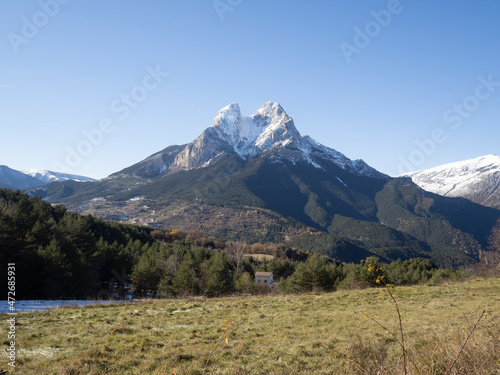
65	66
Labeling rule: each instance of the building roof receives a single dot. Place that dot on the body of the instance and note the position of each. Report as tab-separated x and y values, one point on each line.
264	274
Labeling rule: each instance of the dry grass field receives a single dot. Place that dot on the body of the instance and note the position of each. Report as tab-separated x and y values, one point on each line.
282	334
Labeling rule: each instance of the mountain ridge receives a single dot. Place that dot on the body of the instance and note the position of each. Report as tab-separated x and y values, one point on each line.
14	179
46	176
270	129
475	179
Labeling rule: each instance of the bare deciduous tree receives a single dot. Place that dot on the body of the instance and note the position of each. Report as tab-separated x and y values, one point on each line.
236	251
492	256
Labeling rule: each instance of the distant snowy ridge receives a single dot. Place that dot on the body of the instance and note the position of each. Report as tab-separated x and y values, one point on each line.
475	179
47	177
14	179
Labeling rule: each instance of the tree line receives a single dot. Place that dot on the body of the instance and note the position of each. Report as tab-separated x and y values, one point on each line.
59	254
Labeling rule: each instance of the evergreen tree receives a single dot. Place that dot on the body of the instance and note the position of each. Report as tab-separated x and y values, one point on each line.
372	271
314	274
185	281
147	273
56	269
412	271
219	275
245	284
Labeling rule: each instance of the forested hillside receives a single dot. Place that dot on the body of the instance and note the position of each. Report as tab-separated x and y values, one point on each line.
59	254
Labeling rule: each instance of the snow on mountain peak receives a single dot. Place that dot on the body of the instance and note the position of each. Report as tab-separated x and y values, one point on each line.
228	114
270	108
462	167
251	135
476	179
227	122
490	160
270	128
46	176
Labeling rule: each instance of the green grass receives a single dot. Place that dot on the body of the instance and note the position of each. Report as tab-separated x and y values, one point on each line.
298	334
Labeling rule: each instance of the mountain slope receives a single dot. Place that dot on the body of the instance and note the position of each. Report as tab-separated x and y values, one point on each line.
12	179
231	199
477	180
153	165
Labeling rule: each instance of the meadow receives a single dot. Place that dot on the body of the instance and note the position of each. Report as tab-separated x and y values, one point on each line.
324	333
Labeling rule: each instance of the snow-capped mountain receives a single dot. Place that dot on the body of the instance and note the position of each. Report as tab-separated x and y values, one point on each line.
270	130
477	180
241	167
46	176
13	179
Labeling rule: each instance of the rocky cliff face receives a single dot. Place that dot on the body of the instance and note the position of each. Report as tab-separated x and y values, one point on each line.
270	130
